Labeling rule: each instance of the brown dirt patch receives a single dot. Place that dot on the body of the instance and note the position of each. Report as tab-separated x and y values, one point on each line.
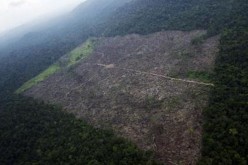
156	113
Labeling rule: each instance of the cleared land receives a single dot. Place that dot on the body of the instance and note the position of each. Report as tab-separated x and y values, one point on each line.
151	89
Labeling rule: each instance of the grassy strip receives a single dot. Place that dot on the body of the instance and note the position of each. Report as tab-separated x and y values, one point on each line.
199	75
81	52
44	75
74	56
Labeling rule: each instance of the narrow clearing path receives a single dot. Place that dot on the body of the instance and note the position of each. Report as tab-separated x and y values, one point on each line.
112	66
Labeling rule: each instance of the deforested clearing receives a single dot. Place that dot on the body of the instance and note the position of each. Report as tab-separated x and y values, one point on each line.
150	89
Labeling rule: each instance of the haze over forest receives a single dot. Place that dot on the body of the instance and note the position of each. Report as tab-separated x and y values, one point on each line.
124	82
14	13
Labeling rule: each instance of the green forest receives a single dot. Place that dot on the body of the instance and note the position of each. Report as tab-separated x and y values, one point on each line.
33	132
225	134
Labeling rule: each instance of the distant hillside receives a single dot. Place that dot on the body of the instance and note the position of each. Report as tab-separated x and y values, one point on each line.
146	16
36	51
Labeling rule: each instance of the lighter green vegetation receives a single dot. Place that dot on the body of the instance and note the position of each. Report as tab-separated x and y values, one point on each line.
198	40
73	57
200	76
44	75
81	52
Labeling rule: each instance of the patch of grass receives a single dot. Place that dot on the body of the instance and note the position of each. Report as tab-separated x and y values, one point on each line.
200	75
44	75
152	102
81	52
198	40
74	56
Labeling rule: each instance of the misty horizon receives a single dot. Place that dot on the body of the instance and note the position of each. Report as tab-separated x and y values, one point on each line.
16	13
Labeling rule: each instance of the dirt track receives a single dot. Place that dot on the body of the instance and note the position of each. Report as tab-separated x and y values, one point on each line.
112	66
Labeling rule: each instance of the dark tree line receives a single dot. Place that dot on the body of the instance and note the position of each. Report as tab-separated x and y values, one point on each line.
226	120
32	132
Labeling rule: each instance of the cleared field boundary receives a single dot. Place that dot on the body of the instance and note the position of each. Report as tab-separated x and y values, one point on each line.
112	66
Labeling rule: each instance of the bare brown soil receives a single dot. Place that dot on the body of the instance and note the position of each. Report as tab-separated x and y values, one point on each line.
131	84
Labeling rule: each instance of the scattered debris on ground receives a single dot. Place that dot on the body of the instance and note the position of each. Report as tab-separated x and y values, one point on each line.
138	86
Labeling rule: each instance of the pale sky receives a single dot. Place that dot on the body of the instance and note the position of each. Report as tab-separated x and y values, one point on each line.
14	13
